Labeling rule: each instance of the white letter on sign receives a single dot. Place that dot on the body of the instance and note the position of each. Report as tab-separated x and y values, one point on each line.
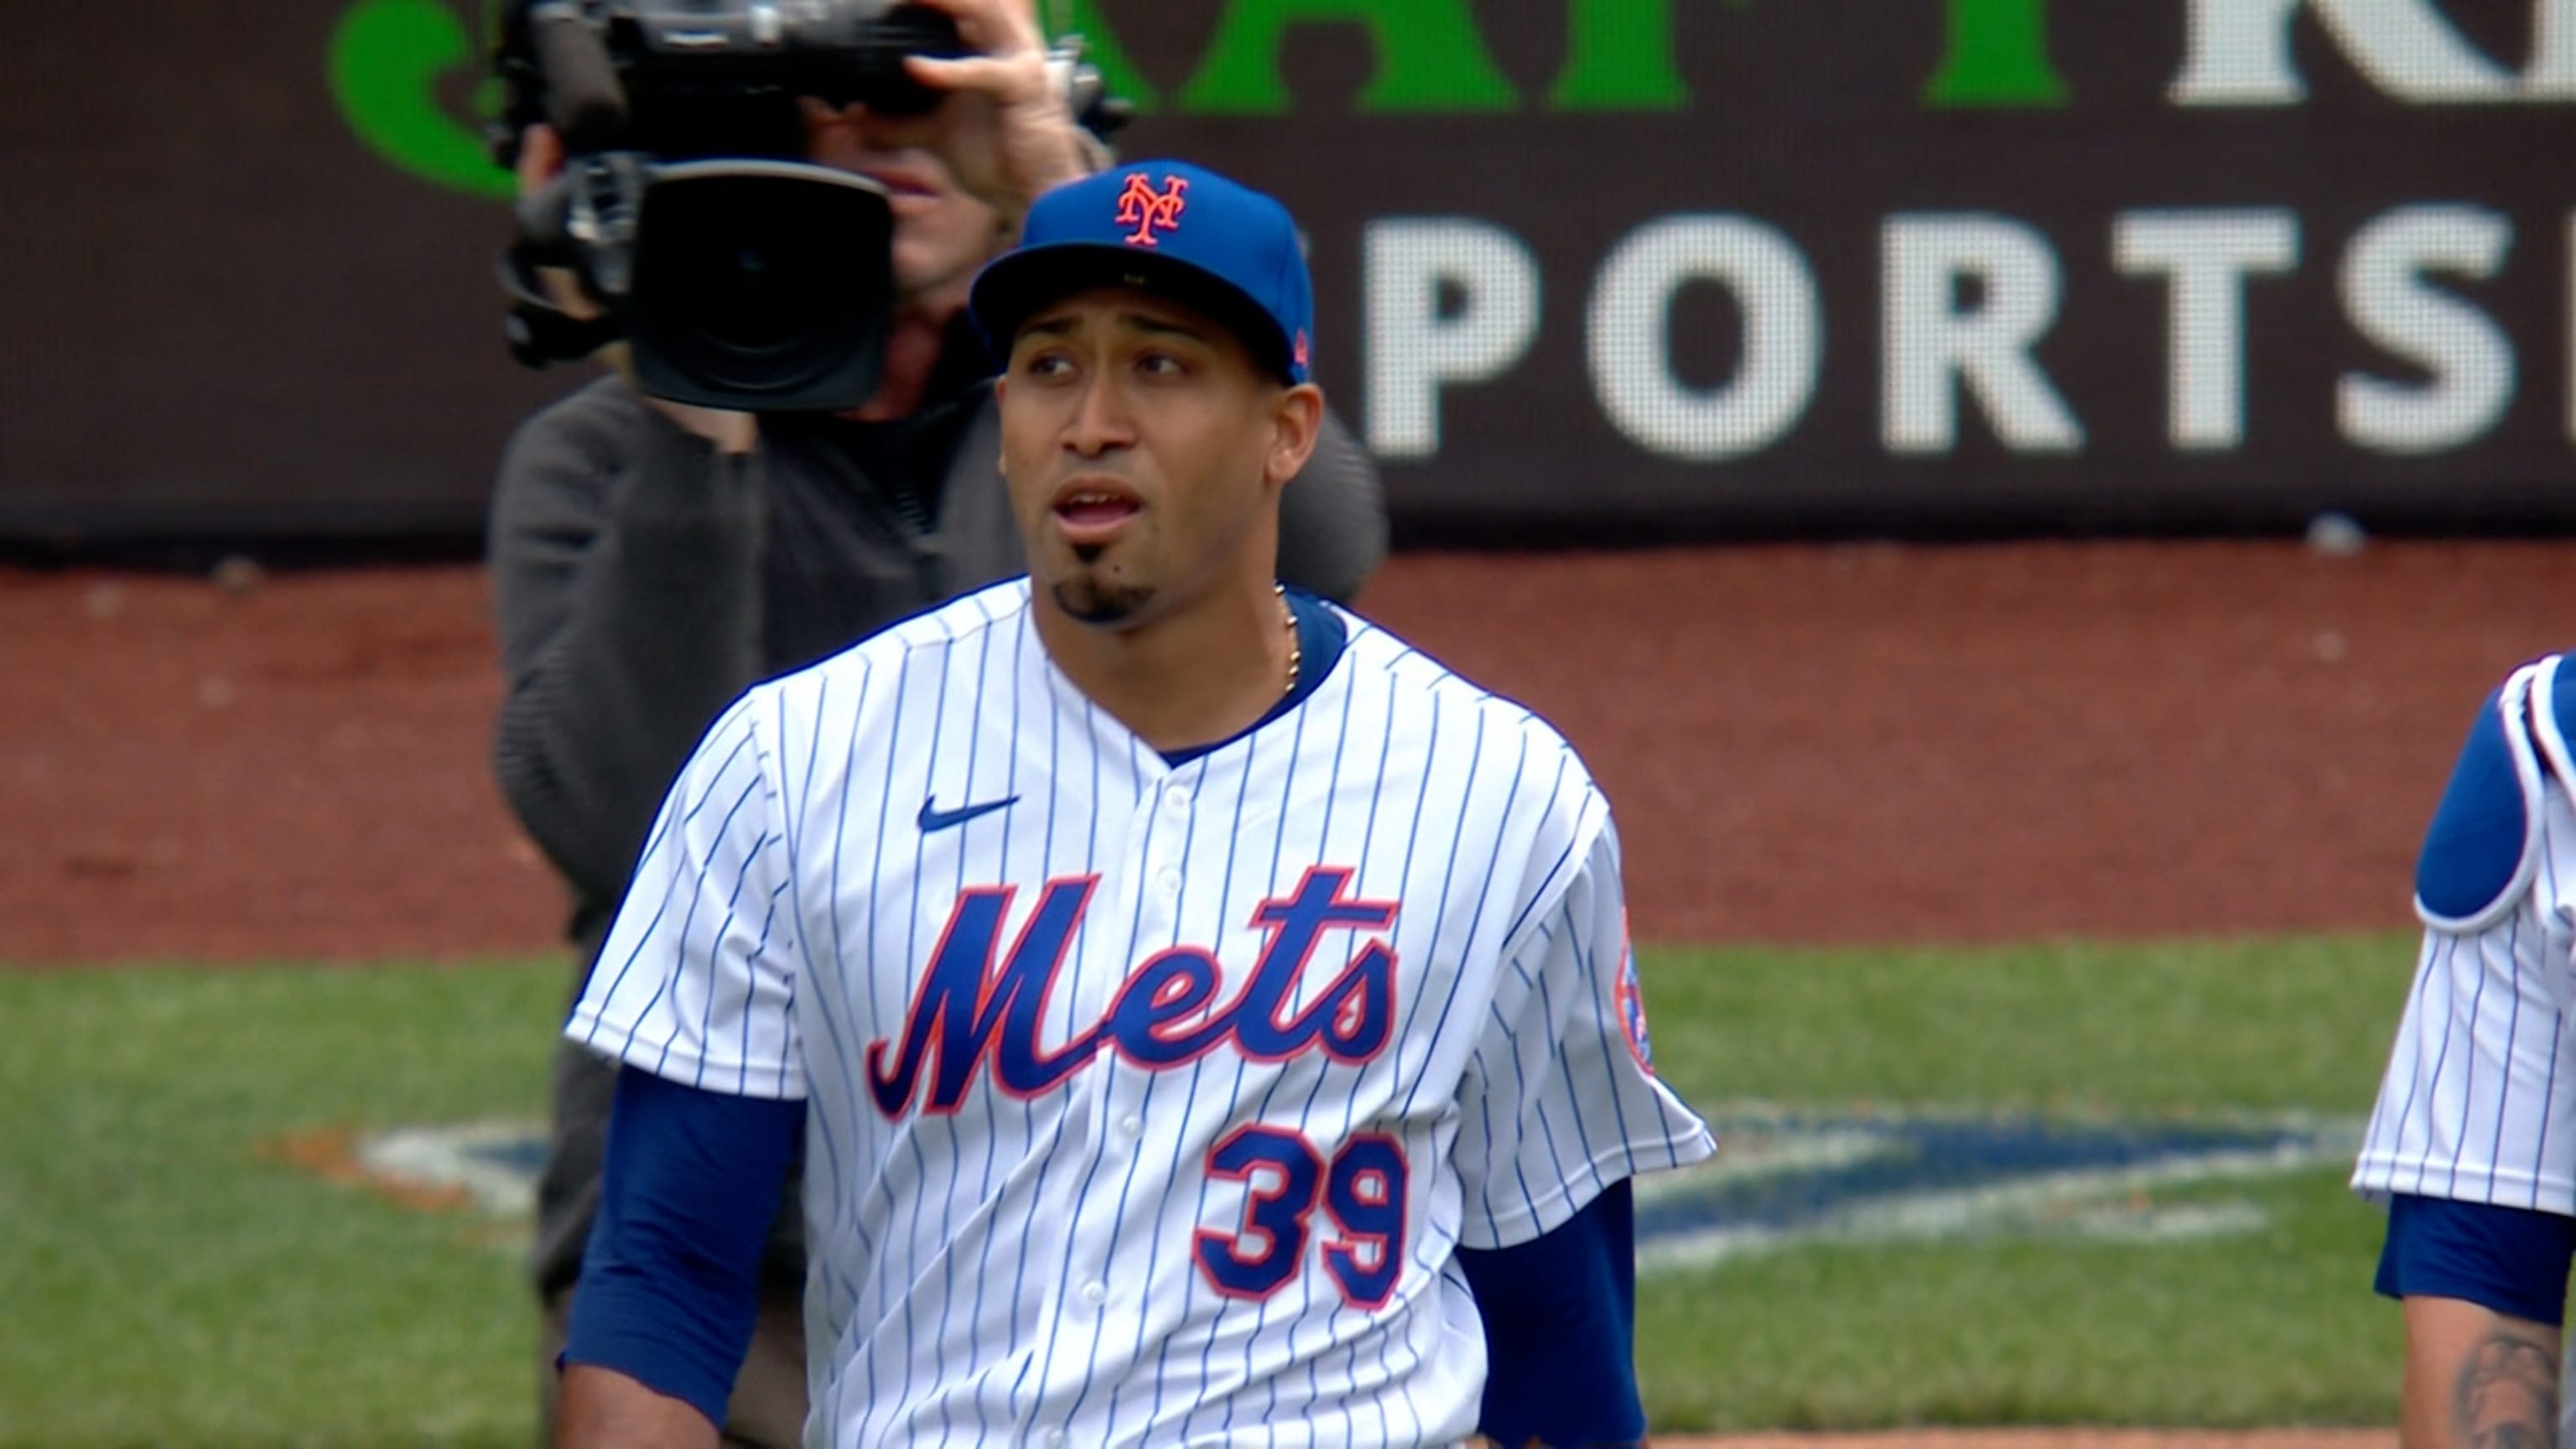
2552	76
2470	358
1412	348
2240	53
1631	308
2208	256
1931	346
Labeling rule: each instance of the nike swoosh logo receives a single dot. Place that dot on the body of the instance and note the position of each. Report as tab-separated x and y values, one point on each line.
934	818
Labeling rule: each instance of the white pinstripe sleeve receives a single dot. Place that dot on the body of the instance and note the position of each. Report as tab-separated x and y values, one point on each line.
1561	1099
697	981
2475	1105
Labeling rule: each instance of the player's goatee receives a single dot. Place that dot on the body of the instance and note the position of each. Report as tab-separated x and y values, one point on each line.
1097	601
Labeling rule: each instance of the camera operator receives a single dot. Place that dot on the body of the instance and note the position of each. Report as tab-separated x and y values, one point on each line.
652	559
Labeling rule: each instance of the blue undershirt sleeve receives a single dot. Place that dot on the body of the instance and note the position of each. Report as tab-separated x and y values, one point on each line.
1560	1315
2511	1260
669	1287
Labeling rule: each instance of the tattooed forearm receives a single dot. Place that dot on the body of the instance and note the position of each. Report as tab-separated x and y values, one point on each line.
2508	1394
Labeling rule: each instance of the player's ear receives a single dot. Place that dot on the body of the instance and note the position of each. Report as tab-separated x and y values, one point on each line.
1297	420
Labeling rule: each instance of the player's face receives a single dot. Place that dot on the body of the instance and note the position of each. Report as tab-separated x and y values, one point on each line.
1145	449
942	234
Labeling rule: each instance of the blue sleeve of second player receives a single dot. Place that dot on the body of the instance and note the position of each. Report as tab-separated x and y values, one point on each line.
2511	1260
2474	849
1560	1315
669	1287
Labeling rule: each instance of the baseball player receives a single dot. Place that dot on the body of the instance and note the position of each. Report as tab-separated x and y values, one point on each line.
1204	1019
651	561
2473	1142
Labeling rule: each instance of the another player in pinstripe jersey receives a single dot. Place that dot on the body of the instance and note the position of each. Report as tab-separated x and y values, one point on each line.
2473	1143
1206	1019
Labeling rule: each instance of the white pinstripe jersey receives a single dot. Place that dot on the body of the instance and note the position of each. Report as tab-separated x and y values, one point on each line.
1145	1103
2479	1101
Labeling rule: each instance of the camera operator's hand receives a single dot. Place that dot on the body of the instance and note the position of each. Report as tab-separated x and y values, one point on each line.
730	432
1007	135
541	159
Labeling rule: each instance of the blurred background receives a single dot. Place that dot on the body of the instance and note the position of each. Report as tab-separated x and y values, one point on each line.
2017	500
1587	269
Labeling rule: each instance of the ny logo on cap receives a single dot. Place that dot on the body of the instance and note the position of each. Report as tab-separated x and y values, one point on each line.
1146	209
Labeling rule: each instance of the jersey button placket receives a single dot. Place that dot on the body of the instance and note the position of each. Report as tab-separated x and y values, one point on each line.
1093	1098
1109	1082
1176	811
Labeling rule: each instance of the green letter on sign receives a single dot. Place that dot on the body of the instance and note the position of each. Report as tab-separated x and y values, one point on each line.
1622	58
1429	58
386	58
1998	57
1100	47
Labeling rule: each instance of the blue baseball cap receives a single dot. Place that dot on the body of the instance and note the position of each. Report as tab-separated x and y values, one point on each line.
1168	227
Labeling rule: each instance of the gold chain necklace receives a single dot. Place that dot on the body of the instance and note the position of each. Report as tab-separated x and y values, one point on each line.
1296	647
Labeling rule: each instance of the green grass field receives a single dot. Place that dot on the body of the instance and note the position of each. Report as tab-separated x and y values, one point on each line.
166	1280
2276	1327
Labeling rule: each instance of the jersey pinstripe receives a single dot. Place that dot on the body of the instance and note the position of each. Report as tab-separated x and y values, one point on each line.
1145	1103
2479	1101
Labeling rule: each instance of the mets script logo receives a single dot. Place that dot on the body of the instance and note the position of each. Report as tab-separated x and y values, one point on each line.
1148	210
967	1011
1631	1000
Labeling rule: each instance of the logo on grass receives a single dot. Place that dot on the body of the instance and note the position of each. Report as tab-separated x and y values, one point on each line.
487	1169
1786	1179
1782	1179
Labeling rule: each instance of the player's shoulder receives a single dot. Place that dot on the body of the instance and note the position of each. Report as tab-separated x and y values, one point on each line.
968	620
2483	848
1498	739
1409	671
